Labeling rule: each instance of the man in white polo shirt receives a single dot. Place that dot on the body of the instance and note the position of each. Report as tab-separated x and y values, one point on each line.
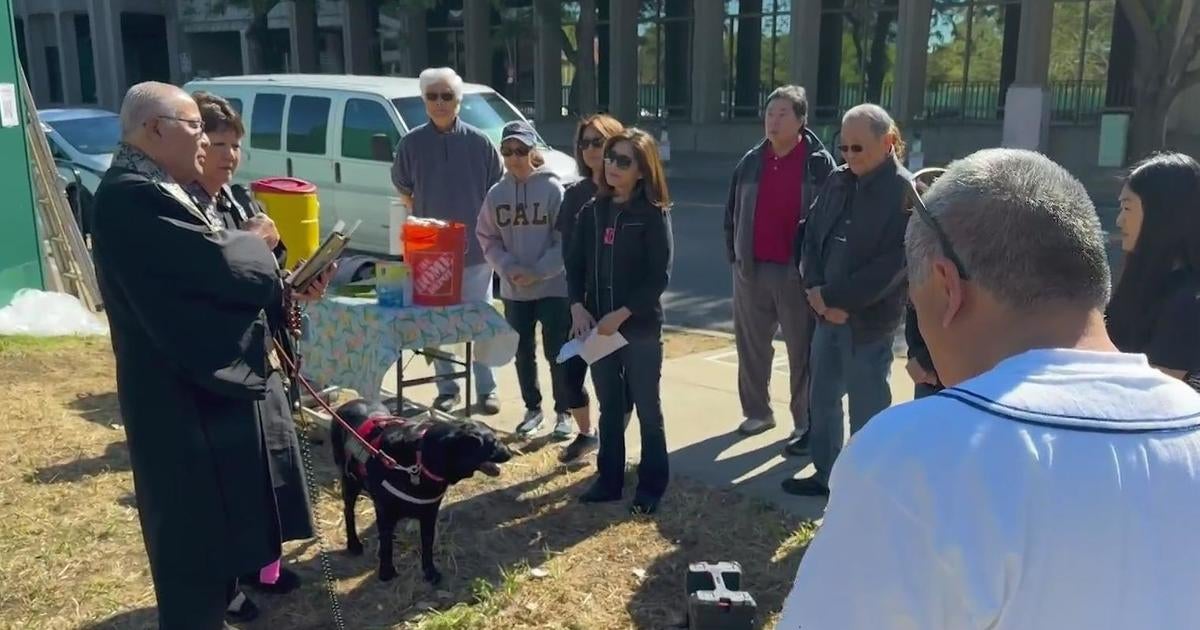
1055	483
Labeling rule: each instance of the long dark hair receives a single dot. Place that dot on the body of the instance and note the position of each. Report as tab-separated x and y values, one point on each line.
1168	185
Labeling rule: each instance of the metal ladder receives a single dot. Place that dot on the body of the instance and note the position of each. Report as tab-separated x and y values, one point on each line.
69	262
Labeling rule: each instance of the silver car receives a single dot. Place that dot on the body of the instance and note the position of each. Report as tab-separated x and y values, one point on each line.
82	142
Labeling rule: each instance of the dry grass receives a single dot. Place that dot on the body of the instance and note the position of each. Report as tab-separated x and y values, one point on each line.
71	553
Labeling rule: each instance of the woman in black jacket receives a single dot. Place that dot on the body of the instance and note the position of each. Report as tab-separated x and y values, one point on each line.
1155	309
617	271
591	134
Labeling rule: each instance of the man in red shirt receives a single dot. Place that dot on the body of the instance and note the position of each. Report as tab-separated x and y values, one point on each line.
773	186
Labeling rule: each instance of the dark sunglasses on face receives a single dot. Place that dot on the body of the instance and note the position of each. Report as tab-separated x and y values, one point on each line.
517	151
445	96
622	162
594	143
851	148
943	239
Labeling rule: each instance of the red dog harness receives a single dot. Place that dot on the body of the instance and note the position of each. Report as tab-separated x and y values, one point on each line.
369	443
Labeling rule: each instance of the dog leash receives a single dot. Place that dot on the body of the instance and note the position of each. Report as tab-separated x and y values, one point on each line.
415	470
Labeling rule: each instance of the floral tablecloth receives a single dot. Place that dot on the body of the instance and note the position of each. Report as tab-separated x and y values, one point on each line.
352	342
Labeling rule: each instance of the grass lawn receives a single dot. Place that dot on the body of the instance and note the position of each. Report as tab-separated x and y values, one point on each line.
516	551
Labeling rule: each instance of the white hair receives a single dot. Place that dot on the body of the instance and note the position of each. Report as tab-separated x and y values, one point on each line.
1023	227
145	101
431	76
877	118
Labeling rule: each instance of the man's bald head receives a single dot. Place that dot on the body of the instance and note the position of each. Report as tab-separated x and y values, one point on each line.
163	121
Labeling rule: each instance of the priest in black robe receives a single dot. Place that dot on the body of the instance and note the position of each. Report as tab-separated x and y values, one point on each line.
185	299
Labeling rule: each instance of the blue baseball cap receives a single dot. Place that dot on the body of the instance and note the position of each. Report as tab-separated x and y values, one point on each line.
520	131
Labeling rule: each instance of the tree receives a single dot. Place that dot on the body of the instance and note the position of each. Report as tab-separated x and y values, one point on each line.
1167	40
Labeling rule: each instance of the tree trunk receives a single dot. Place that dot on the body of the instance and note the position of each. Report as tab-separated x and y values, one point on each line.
877	63
1148	124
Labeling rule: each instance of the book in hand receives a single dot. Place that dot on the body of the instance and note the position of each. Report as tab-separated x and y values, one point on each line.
331	248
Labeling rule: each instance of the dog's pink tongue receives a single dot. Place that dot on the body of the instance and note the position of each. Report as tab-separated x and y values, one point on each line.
490	469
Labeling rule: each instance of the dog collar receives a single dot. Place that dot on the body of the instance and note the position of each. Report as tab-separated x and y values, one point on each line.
400	494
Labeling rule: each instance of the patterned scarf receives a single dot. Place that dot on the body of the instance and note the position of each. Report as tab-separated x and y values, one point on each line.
131	158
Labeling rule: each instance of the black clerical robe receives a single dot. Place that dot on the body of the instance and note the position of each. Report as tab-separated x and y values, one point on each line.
185	300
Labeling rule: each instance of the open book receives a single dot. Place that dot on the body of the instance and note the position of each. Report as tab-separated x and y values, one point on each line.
329	251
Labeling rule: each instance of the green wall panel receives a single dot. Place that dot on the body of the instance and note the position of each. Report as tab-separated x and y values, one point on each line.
20	261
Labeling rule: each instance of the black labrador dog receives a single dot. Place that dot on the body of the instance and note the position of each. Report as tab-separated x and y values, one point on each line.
427	458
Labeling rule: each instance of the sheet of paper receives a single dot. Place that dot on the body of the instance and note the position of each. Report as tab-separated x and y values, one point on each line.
592	348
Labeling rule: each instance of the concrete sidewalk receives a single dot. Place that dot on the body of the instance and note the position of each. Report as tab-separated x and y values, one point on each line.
700	403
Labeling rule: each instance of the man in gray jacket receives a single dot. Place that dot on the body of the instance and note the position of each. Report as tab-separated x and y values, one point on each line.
773	186
443	169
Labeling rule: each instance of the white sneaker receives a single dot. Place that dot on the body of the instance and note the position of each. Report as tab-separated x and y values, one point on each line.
754	426
798	433
531	423
564	426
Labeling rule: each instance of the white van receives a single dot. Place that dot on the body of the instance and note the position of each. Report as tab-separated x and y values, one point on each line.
339	132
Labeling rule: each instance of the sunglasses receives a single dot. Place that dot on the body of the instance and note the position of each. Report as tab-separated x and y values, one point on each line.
594	143
445	96
943	240
851	148
517	151
622	162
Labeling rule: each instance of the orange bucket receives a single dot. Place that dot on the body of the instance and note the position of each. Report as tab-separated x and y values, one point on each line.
436	255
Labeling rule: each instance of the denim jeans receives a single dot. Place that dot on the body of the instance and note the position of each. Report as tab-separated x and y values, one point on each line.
637	366
477	287
840	367
553	314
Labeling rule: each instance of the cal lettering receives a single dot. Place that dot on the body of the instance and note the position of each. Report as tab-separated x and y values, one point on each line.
538	217
503	215
519	217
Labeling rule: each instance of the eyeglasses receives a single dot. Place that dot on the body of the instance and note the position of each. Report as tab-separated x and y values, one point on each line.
851	148
445	96
943	240
622	162
594	143
517	151
195	124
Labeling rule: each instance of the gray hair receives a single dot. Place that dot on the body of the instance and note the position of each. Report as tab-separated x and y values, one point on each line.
795	95
1024	228
877	118
431	76
145	101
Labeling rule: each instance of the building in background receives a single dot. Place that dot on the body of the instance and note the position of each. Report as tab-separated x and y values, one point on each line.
946	68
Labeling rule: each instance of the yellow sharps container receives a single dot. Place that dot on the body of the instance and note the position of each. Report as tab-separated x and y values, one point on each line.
292	204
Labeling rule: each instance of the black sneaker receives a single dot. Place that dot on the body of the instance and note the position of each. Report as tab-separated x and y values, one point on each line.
807	487
798	446
288	581
241	609
446	403
580	446
644	505
490	405
600	494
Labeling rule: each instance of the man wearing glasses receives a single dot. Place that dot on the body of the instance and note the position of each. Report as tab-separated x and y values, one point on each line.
853	266
185	300
443	170
1053	483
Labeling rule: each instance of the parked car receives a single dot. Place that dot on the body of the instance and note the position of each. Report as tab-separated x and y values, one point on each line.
339	132
82	142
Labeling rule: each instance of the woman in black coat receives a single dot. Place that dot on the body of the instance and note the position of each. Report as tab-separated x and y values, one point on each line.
234	207
618	268
1155	309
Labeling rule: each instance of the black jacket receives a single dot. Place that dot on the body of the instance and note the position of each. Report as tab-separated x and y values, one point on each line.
642	253
871	286
743	197
574	198
185	307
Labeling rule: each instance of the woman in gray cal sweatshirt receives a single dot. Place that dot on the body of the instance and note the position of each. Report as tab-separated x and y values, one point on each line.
516	231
